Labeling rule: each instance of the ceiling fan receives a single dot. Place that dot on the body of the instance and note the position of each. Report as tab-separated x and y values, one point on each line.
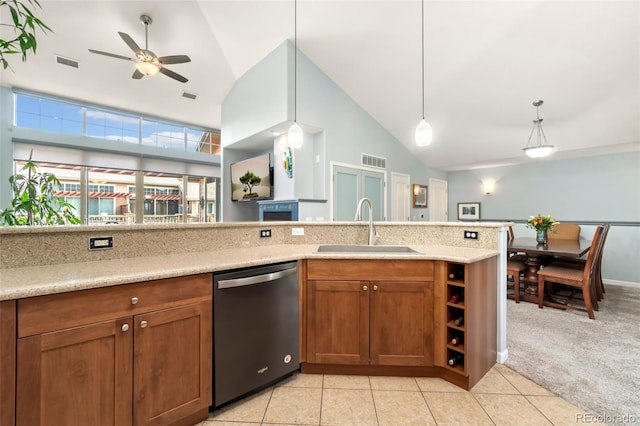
147	62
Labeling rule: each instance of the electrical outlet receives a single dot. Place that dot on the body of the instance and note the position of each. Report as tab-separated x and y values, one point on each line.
470	235
265	233
99	243
297	231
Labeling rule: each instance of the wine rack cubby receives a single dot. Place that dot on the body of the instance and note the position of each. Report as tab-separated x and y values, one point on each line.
456	317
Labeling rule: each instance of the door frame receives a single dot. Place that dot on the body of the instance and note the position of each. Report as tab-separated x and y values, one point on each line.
332	164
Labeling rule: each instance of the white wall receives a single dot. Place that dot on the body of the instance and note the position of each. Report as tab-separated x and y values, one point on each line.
258	99
586	190
336	127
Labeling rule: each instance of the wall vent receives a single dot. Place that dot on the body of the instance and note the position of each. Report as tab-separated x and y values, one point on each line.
373	161
189	95
66	61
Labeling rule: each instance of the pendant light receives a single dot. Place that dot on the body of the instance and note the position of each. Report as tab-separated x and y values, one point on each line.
424	133
295	135
539	149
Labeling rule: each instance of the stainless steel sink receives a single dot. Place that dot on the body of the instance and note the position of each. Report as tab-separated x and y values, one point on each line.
352	248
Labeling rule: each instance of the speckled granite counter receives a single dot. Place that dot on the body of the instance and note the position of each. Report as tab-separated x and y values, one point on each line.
30	281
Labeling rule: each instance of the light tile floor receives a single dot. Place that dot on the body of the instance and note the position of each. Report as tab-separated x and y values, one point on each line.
502	397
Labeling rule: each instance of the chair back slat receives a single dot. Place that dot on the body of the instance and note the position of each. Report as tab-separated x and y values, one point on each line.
594	253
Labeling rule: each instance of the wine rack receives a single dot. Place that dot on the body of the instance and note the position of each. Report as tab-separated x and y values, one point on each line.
456	317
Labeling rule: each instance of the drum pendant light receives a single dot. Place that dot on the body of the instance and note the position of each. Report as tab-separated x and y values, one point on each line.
424	133
295	135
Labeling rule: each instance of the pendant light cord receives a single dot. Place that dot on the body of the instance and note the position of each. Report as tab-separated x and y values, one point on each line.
295	61
422	39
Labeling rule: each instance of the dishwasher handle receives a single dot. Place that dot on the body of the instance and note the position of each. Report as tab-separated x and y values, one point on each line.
256	279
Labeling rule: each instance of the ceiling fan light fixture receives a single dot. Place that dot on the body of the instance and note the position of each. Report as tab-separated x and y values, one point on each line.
147	68
539	149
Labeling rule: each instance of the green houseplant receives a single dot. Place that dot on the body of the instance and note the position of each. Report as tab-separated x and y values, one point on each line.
24	23
34	202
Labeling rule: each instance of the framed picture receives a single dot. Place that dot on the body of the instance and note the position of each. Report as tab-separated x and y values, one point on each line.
419	195
468	211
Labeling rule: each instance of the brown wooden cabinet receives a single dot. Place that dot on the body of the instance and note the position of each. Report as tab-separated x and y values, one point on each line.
367	318
466	292
133	354
398	317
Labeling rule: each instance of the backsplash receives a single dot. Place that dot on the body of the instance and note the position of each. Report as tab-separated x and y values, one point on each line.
35	246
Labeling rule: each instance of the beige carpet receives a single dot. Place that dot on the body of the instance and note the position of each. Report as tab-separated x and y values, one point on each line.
593	364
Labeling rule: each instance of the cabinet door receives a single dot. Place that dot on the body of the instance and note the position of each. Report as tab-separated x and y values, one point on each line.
401	323
76	376
172	364
338	322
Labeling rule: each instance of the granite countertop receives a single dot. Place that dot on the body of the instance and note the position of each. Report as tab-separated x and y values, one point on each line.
18	283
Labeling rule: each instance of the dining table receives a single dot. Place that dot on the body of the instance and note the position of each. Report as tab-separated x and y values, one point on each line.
538	254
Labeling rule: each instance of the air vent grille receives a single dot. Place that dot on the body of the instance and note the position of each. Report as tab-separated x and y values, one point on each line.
373	161
189	95
67	61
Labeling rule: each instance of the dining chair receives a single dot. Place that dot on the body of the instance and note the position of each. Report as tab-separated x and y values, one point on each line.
515	267
564	231
514	255
581	278
579	263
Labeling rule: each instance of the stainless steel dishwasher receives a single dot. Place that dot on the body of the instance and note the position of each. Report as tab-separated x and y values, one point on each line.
255	329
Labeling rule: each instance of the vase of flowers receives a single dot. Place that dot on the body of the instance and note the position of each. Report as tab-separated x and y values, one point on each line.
542	224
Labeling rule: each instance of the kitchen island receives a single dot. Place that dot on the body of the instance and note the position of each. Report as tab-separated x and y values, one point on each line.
184	271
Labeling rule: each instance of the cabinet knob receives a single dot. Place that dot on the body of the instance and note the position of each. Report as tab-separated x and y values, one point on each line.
143	324
125	327
134	300
375	287
365	288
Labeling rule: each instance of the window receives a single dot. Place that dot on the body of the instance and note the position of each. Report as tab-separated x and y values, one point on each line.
49	115
62	116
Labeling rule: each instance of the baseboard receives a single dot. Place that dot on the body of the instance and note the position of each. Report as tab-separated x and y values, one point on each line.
502	356
621	283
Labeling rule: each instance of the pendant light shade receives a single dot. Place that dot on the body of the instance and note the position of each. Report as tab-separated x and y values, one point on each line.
423	133
295	135
538	149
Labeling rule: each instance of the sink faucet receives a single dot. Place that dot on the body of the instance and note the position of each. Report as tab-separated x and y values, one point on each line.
373	235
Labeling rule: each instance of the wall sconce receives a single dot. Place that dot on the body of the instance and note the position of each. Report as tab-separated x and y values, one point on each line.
488	186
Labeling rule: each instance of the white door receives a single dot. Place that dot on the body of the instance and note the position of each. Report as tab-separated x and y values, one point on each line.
438	200
400	197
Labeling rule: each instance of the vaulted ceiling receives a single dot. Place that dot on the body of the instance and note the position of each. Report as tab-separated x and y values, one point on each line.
486	62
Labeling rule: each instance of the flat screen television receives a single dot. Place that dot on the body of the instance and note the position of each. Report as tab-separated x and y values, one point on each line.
251	179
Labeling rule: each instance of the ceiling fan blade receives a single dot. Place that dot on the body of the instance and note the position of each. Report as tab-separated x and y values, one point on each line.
113	55
137	75
173	75
132	44
174	59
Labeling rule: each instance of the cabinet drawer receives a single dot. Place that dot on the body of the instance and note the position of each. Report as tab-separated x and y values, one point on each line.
42	314
370	269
